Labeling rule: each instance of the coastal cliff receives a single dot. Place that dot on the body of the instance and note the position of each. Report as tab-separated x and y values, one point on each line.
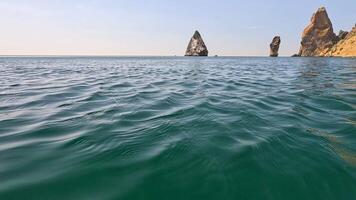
196	46
346	47
319	39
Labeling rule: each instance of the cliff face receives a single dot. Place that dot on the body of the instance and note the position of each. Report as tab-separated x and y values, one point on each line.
345	47
319	39
196	46
274	46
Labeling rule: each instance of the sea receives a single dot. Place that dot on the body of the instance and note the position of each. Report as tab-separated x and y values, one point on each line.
142	128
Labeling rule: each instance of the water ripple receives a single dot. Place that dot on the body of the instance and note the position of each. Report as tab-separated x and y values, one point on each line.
177	128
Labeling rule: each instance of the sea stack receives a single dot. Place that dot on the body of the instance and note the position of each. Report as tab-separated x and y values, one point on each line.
274	46
196	46
318	37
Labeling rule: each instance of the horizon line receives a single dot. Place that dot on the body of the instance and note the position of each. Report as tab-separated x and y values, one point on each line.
91	55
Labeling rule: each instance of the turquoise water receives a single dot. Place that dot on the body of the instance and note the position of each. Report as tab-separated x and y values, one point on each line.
177	128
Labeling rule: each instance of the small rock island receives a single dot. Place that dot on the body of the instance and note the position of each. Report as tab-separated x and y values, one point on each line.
274	46
196	46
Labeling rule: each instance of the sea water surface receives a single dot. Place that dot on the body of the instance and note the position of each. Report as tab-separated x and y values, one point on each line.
177	128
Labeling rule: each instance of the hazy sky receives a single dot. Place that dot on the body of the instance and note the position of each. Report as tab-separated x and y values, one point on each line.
159	27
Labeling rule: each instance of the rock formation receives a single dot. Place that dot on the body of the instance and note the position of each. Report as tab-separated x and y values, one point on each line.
196	46
346	47
342	35
274	46
318	37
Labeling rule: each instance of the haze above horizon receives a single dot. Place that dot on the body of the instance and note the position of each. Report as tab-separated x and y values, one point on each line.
109	27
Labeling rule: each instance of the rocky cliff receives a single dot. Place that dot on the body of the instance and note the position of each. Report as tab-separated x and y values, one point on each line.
196	46
274	46
346	47
319	39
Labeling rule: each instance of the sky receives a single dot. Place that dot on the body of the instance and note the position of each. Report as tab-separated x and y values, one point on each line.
160	27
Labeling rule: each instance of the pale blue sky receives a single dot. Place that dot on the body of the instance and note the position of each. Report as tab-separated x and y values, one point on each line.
159	27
